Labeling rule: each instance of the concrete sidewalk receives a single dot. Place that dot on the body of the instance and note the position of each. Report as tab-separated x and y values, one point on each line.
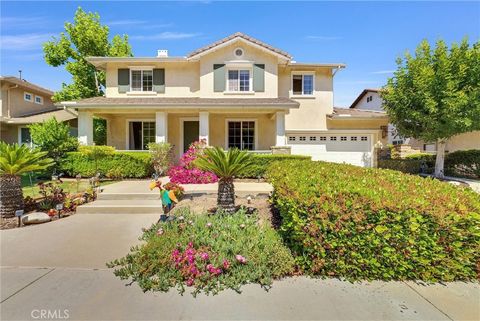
61	266
97	295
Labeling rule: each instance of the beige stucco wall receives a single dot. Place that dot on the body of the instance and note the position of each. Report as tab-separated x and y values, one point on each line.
361	124
225	55
181	79
464	141
8	133
13	98
313	110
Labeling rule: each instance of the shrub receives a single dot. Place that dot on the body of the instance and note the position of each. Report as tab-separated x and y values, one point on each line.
209	253
118	164
463	163
262	161
186	173
53	137
409	166
161	157
357	223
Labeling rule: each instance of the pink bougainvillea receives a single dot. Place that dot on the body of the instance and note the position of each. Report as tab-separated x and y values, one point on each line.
186	173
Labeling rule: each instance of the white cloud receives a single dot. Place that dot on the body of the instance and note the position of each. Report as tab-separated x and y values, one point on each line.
383	72
23	22
29	41
167	35
319	38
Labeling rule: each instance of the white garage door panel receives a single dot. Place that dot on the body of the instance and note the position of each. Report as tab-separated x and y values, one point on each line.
343	149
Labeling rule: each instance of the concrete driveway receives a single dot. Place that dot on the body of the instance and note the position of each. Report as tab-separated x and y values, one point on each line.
58	269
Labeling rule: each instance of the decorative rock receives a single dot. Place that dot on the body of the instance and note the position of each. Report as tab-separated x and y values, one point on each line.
35	218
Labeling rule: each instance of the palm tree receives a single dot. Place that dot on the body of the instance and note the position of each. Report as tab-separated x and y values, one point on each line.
16	160
225	165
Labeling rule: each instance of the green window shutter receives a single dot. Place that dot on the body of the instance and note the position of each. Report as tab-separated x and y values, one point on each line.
259	77
219	77
159	80
123	80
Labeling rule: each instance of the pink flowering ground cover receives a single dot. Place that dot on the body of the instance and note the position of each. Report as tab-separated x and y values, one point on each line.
185	173
206	254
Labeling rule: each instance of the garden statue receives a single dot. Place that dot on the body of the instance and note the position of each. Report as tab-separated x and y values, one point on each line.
167	197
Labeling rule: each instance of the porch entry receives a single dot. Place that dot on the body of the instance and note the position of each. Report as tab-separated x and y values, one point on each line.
140	134
190	132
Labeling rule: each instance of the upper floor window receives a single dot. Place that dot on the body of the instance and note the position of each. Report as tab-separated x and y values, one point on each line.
28	97
302	84
39	100
238	80
142	80
369	99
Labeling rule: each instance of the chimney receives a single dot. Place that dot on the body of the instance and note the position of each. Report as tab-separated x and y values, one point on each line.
162	53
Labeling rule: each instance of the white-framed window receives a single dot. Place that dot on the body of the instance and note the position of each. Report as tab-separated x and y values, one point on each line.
343	138
303	138
241	134
369	99
24	137
141	79
313	138
38	100
353	138
239	80
333	138
140	134
302	84
323	138
28	96
364	138
291	138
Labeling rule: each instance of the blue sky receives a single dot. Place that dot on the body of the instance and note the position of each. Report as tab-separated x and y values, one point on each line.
367	36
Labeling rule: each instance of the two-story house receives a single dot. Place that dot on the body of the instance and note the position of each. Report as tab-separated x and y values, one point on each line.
23	103
370	100
236	92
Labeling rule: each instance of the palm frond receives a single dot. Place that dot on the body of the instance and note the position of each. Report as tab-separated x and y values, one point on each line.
224	164
18	159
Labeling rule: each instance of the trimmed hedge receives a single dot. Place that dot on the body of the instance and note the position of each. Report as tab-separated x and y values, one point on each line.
115	165
358	223
262	161
462	163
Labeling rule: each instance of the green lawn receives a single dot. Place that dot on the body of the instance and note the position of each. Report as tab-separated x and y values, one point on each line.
68	185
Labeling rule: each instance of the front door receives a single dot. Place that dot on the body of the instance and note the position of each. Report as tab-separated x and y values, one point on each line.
190	133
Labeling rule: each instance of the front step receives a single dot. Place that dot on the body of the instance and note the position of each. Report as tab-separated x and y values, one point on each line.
128	196
103	206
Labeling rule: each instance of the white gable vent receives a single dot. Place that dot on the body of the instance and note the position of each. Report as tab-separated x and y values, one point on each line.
162	53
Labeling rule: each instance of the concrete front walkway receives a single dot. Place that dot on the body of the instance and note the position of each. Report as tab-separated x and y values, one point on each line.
60	267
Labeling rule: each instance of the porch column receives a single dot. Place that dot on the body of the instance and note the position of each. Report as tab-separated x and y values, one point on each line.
280	128
85	128
161	126
204	126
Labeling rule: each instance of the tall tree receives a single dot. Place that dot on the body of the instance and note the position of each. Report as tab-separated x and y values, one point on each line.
435	94
85	37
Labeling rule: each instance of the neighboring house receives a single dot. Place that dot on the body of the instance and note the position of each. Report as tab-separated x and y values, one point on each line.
369	99
23	103
236	92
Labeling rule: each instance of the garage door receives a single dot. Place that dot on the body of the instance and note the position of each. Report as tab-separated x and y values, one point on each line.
342	148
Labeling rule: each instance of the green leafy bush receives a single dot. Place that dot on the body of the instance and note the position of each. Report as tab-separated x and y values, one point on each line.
410	166
262	161
463	163
209	253
115	165
161	157
357	223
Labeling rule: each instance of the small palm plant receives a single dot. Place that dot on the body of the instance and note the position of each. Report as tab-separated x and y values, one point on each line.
16	160
226	165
